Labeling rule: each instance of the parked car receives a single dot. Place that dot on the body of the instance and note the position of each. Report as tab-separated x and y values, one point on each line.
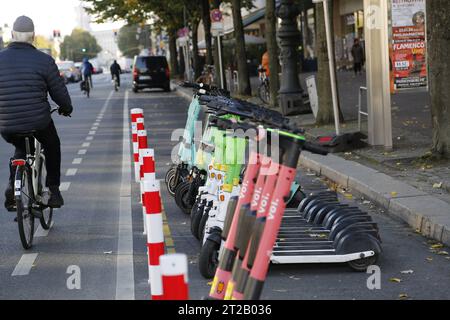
69	71
151	72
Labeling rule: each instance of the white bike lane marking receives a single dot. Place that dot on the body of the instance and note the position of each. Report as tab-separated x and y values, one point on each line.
24	265
125	269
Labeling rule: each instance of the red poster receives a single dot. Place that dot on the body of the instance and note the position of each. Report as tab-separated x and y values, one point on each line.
409	45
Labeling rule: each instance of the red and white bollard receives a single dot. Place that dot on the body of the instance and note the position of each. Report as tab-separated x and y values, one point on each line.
174	269
136	114
155	235
147	173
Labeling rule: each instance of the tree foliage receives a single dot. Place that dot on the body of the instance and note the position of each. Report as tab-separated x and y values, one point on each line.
128	40
80	44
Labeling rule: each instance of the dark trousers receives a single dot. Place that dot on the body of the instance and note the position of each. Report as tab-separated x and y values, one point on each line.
357	67
49	139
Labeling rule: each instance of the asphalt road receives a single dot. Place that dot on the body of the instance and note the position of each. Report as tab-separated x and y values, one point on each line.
89	231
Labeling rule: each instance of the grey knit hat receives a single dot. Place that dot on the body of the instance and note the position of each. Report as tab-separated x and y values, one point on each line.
23	24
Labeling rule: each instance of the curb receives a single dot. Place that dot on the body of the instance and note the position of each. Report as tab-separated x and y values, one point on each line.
424	213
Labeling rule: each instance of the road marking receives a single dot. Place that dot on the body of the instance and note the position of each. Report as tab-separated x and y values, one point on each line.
90	138
86	145
64	186
125	268
94	128
91	133
82	151
77	161
71	172
24	265
168	239
40	232
96	123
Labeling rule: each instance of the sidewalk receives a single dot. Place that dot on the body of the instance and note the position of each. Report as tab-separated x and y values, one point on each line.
366	172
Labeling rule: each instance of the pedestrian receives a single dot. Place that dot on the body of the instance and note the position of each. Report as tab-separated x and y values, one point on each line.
358	57
265	63
28	76
115	71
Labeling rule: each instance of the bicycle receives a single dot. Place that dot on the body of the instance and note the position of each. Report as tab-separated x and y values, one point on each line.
116	83
86	86
30	191
264	86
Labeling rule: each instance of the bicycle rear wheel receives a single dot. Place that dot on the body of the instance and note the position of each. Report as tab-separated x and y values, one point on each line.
25	218
47	212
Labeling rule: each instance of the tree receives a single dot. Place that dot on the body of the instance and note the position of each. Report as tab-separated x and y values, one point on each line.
80	44
127	41
41	42
438	12
272	48
325	114
244	87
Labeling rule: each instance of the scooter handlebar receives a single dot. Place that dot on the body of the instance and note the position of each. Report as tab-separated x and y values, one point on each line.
315	148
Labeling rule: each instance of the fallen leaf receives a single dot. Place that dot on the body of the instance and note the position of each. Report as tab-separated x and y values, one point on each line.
443	253
107	252
209	283
348	195
437	246
407	271
394	193
437	185
403	296
366	202
397	280
294	278
429	259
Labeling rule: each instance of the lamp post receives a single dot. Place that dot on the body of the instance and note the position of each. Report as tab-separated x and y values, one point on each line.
291	92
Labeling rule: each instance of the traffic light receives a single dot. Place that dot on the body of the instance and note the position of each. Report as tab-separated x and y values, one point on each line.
115	33
56	34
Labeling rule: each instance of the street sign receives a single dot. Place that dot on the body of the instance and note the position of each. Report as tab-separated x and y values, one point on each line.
216	15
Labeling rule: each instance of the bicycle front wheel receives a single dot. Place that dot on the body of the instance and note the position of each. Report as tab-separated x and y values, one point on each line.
25	218
264	93
47	212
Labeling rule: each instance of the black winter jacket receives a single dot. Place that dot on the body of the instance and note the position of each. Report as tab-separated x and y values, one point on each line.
27	75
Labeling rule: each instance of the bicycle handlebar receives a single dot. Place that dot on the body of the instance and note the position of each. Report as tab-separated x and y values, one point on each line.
315	148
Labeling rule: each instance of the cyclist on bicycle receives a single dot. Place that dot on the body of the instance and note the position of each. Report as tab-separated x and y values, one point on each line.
87	69
27	77
116	71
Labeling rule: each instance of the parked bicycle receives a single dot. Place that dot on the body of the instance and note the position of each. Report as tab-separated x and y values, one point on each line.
30	190
264	86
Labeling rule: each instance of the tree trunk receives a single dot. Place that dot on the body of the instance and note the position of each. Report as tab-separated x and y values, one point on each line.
173	52
325	114
207	25
241	56
272	48
196	59
438	12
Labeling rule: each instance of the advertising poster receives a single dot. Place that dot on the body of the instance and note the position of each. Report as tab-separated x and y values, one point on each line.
409	45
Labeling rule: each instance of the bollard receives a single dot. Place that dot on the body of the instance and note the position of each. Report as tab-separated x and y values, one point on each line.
155	235
146	172
142	144
174	269
136	114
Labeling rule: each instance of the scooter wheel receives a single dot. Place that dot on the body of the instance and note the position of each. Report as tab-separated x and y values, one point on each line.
181	197
361	265
202	225
209	258
170	173
195	213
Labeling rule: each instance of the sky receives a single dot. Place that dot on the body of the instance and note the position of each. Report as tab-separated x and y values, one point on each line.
47	15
